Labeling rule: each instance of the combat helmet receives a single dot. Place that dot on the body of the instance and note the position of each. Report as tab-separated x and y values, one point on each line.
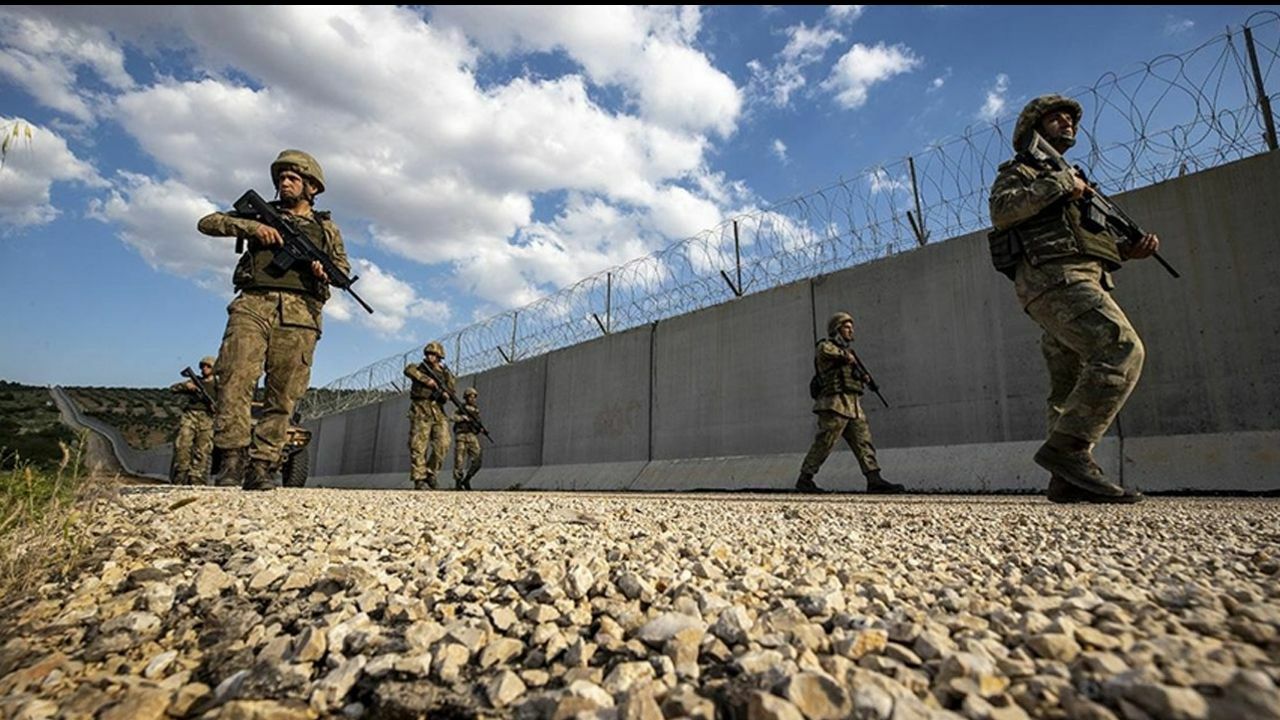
833	325
305	165
208	360
1029	118
470	393
434	347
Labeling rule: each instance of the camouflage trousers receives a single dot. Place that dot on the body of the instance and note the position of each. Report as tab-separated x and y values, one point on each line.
428	440
466	458
1093	354
831	427
277	331
192	448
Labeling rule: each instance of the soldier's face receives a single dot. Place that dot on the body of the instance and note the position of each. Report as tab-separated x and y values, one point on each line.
1058	124
846	330
433	359
206	370
292	186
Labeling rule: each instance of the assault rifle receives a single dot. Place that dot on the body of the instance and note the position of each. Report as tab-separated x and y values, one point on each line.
297	247
871	382
1097	211
444	388
191	375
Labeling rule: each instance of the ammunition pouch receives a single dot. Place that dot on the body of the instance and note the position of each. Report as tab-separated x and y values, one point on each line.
1006	251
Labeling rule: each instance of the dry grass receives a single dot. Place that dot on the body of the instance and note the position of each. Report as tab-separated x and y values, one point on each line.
44	519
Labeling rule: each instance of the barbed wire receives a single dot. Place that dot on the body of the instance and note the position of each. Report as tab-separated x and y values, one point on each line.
1166	117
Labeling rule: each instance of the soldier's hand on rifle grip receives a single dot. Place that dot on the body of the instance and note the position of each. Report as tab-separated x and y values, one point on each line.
317	269
1080	189
1144	248
268	235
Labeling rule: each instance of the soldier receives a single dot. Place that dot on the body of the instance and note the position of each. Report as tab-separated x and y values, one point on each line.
273	323
193	446
1063	282
840	382
428	423
466	454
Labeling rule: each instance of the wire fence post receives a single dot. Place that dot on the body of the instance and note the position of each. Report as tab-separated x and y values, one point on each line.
737	261
1264	102
917	225
608	299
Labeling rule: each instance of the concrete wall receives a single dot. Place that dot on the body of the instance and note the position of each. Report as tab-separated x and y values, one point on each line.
718	398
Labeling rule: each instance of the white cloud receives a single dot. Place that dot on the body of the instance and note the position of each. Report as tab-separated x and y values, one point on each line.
844	14
441	165
780	149
863	66
881	181
32	164
1177	26
937	83
394	301
805	46
993	106
44	59
158	220
645	50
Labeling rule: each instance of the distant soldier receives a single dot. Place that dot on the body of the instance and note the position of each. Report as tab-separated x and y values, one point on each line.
840	381
1061	268
193	446
428	422
273	324
466	454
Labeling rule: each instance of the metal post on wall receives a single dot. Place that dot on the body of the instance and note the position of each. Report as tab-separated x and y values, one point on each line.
1264	102
917	225
737	261
608	303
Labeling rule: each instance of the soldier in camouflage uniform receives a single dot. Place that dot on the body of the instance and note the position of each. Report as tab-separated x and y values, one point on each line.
193	446
1063	281
466	454
841	381
274	323
428	422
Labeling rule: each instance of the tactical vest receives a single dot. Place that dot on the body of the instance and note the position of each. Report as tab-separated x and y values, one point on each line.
253	271
419	391
838	378
195	401
1053	233
465	425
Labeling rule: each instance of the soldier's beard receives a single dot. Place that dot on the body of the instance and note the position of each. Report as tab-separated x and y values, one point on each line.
1063	142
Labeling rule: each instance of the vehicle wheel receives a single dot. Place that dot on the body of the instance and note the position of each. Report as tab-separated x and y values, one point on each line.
296	469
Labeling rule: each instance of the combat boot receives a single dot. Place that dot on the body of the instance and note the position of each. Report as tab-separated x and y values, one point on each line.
879	486
806	484
259	476
234	462
1068	458
431	482
1061	491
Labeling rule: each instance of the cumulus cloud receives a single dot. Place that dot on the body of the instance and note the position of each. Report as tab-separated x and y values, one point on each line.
993	105
862	66
393	300
805	46
441	162
35	159
45	58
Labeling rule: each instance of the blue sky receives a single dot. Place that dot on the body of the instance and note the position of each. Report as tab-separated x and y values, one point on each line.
477	158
